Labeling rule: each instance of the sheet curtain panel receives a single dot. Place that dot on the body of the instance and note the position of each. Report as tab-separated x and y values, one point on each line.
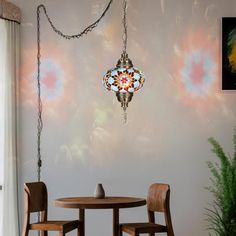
9	76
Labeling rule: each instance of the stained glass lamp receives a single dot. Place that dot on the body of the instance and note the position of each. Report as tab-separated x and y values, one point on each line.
124	79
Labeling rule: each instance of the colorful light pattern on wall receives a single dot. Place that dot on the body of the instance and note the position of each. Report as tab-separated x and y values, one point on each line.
57	85
52	79
197	73
196	70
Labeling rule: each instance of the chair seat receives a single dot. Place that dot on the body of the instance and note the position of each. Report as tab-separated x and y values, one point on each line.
132	228
65	226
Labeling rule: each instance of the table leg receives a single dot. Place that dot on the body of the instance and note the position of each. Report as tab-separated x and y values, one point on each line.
116	222
82	220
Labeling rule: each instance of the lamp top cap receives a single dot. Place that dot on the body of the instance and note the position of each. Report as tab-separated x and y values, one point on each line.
124	61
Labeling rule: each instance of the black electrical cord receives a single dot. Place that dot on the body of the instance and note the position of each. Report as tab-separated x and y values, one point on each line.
39	103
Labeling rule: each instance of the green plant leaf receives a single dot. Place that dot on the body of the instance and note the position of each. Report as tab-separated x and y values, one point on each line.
221	214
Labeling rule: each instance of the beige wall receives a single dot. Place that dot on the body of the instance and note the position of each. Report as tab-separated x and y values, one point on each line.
169	121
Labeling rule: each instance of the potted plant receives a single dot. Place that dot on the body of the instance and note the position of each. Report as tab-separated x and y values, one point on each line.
221	213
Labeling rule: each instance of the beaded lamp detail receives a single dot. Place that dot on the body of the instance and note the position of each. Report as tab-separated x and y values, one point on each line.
124	80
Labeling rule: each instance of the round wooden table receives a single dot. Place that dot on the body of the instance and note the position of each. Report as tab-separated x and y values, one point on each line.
114	203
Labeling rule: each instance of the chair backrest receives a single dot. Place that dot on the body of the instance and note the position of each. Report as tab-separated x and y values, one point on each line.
36	197
158	200
158	197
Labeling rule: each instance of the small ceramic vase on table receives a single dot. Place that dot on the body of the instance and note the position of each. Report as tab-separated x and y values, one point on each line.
99	192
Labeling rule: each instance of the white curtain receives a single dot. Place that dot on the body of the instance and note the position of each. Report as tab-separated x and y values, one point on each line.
9	68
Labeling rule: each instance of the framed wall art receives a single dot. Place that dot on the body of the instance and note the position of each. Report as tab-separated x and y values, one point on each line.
229	53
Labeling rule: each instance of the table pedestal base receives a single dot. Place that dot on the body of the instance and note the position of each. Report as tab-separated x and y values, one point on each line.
115	222
82	222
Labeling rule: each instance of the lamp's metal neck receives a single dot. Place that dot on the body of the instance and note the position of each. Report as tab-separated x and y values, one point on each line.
124	61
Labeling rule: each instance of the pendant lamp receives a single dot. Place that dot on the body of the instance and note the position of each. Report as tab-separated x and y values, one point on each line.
124	79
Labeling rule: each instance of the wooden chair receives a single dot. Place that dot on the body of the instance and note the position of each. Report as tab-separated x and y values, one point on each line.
157	201
36	200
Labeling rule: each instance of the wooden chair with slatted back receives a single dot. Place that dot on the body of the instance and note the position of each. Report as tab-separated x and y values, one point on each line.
36	200
158	200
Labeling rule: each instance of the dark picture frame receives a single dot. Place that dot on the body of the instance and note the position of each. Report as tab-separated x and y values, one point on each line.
229	53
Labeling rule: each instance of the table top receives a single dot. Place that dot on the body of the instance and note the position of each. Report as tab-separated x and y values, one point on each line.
94	203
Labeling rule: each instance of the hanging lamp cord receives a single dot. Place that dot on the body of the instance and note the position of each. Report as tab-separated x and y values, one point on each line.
125	28
40	121
125	39
39	103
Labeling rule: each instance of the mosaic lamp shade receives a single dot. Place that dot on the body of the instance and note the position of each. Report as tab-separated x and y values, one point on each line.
124	80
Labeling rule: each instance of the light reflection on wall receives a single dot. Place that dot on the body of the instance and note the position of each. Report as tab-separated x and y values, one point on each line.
196	69
108	31
90	127
76	149
52	79
90	141
56	81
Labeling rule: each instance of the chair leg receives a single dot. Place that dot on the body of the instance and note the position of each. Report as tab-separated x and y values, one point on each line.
25	228
25	231
120	231
170	233
78	232
44	233
61	233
